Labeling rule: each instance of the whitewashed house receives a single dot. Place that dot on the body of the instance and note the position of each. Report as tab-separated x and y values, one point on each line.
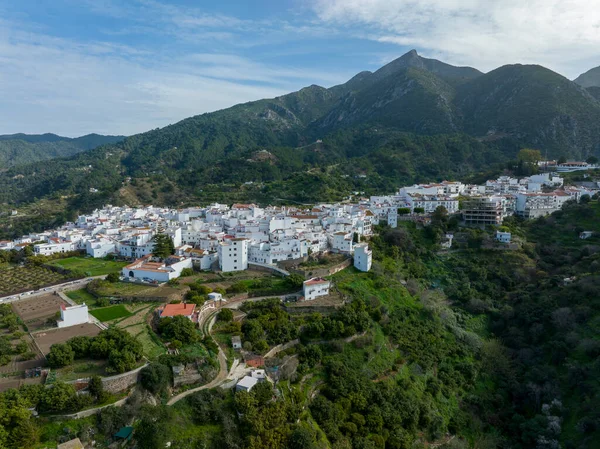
363	257
233	254
341	242
503	237
100	247
72	316
315	287
148	269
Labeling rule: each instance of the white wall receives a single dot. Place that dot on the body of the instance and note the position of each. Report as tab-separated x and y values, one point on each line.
71	316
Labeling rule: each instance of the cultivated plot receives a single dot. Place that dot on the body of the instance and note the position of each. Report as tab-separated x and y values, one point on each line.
46	339
36	311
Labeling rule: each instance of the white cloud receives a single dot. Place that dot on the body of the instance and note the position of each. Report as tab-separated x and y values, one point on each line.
563	35
48	84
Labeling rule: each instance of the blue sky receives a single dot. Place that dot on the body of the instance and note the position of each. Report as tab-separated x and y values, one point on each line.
120	67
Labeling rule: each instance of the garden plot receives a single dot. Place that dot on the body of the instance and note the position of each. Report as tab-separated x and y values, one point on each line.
15	279
16	364
36	311
46	339
89	265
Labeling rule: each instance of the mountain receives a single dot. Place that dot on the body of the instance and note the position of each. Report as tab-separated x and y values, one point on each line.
17	149
413	120
533	105
589	78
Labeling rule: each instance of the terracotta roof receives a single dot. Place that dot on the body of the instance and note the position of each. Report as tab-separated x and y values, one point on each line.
316	281
178	309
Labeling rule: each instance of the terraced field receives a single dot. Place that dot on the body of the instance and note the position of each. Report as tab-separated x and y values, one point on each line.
136	325
14	279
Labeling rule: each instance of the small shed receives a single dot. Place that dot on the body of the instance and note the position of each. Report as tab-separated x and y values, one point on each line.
73	444
214	296
236	342
585	235
503	237
124	434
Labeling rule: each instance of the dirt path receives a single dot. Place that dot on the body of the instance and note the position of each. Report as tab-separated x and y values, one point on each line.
221	376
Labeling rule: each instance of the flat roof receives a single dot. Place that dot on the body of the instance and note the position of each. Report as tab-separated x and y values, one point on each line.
247	382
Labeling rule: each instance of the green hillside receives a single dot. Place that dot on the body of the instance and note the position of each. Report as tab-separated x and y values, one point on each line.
18	149
415	119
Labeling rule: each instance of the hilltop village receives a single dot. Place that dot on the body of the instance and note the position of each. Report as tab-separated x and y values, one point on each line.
230	238
238	297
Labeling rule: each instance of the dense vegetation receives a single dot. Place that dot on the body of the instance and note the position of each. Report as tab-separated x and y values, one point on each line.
475	347
117	346
18	149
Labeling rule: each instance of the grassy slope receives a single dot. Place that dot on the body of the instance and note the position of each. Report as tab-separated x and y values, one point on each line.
90	266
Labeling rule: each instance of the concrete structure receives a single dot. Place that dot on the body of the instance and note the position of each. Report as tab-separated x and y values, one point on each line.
485	210
72	316
233	254
315	287
363	257
446	242
148	268
214	296
503	237
236	342
246	383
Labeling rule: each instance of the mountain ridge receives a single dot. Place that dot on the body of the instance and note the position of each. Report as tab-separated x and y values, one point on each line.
20	148
591	78
413	120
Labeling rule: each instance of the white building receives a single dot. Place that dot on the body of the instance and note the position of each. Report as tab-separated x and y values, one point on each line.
533	205
503	237
315	287
100	247
341	242
363	257
53	246
246	383
236	342
233	254
446	242
148	269
72	316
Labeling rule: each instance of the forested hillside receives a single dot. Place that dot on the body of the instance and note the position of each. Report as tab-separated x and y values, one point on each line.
18	149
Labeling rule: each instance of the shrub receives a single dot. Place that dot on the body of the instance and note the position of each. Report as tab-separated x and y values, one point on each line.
187	272
113	277
61	354
225	315
156	378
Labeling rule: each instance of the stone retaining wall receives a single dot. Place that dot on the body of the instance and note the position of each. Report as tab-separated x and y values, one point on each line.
122	382
315	272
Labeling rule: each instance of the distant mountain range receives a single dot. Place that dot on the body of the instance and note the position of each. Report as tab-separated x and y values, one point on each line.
415	119
17	149
591	78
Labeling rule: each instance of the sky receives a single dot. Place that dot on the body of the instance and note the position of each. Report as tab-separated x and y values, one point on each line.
74	67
